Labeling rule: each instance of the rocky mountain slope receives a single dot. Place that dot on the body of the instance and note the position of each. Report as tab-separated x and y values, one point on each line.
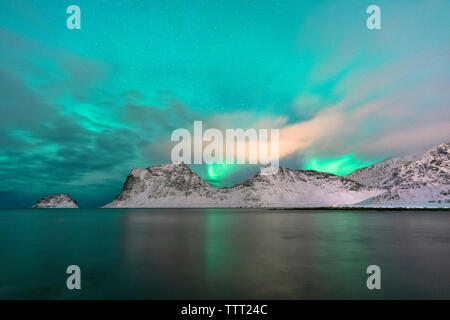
418	180
57	201
175	185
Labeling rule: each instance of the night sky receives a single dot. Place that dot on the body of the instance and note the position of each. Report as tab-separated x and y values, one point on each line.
80	108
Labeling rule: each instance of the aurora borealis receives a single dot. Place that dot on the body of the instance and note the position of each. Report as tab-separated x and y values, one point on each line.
80	108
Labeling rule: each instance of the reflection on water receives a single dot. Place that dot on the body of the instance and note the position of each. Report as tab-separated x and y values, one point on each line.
223	253
218	252
343	253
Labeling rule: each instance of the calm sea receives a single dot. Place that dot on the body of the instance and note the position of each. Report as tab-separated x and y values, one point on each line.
223	253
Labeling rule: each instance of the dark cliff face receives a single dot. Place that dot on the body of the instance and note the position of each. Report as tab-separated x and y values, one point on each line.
131	184
57	201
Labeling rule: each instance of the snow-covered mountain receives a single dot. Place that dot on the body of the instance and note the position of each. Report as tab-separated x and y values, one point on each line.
418	180
57	201
175	185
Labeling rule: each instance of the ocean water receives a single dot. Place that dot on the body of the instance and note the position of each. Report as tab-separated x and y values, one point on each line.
223	253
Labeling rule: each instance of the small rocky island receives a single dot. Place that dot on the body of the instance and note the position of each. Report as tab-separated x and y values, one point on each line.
63	200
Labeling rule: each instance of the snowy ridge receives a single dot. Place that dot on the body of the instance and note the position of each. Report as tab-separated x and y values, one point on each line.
419	180
175	185
57	201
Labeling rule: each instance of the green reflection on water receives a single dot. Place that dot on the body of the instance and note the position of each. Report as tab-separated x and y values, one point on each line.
218	244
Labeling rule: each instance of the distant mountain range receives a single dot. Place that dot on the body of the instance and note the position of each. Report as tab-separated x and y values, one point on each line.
415	181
